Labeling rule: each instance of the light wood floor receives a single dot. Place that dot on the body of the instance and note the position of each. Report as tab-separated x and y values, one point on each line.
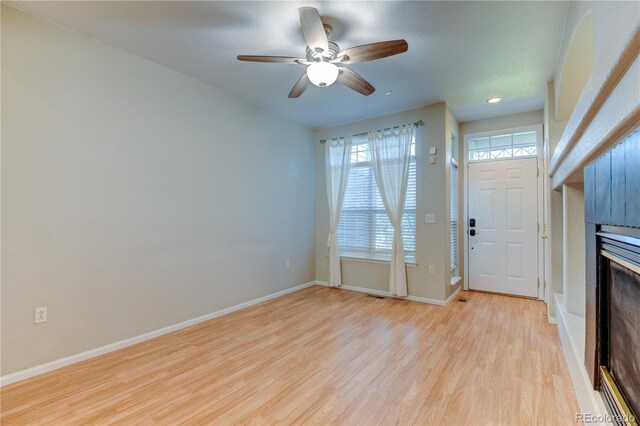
323	356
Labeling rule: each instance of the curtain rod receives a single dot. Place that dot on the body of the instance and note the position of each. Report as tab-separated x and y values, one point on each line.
417	123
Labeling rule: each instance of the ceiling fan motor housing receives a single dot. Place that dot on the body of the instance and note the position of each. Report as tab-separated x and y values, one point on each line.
329	55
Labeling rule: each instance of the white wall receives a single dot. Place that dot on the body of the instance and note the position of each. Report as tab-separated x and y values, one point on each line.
432	239
134	197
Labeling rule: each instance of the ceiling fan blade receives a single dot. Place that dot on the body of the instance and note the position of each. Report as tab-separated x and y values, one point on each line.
300	86
313	29
271	59
373	51
353	81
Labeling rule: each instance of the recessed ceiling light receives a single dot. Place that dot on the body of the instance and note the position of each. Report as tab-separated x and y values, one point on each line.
493	100
387	93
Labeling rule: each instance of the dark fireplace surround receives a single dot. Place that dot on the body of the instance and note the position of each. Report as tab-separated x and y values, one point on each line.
619	319
612	225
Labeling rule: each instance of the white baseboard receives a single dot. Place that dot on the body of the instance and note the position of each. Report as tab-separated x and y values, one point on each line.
388	294
552	320
571	331
72	359
453	295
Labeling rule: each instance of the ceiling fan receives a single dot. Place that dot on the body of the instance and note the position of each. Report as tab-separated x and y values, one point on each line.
324	57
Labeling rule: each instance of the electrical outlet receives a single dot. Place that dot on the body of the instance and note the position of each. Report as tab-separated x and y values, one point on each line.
432	270
287	264
40	315
429	218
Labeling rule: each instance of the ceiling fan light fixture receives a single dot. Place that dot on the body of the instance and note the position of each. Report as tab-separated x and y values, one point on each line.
322	74
493	100
322	55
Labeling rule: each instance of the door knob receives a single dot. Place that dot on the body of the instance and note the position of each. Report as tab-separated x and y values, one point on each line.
473	232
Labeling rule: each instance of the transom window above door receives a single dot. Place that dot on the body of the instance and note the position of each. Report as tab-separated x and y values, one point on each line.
508	145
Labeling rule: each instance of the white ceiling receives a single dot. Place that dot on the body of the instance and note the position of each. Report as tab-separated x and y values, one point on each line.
459	52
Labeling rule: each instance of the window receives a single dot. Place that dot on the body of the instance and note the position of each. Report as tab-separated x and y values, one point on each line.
364	229
503	146
453	231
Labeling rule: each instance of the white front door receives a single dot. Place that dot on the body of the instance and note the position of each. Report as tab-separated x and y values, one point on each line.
503	202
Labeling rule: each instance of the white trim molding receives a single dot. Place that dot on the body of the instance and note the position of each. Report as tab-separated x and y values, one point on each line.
368	258
111	347
571	331
420	299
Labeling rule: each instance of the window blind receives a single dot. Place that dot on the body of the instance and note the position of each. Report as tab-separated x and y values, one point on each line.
454	217
364	228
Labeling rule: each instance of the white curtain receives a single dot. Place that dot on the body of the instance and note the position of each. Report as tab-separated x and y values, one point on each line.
390	156
337	164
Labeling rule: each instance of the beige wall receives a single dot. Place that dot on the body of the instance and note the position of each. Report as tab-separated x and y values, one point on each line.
134	197
573	250
575	69
612	24
499	123
432	239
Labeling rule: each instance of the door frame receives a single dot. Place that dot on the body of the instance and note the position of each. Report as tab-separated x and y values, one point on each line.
540	189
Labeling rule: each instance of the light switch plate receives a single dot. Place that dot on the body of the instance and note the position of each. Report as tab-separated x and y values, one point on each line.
432	159
429	218
433	150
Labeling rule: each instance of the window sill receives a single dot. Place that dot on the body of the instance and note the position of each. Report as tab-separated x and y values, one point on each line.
455	280
367	258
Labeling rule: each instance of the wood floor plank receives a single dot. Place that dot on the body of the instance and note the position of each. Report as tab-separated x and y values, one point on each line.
322	356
